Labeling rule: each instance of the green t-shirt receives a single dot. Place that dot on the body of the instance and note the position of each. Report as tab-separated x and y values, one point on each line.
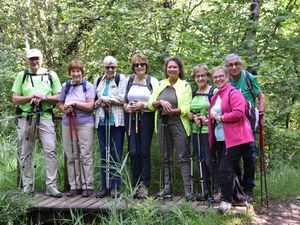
41	84
200	104
241	84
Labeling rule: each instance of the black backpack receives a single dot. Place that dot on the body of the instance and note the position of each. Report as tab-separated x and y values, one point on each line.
209	94
130	82
117	80
27	74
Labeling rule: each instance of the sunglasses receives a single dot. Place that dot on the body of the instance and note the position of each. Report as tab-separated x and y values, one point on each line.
34	58
110	67
136	65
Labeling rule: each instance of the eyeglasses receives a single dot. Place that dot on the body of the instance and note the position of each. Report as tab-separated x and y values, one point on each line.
136	65
34	58
110	67
200	75
236	64
219	76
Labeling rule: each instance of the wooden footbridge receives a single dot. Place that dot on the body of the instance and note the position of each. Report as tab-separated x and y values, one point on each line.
44	209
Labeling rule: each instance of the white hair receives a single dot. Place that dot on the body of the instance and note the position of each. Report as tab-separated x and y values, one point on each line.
108	60
232	56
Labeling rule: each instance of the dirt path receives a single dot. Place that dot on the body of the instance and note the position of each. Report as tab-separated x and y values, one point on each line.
279	213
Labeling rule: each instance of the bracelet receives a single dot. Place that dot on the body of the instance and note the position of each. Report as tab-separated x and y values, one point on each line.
261	113
46	98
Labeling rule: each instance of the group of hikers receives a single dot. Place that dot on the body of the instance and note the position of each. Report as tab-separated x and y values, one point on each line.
212	120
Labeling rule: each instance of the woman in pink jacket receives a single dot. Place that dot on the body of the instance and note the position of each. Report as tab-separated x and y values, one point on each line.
230	135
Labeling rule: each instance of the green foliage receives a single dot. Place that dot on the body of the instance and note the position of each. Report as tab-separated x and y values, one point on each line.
13	208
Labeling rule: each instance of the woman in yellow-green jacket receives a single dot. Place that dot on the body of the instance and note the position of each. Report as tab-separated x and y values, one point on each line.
171	100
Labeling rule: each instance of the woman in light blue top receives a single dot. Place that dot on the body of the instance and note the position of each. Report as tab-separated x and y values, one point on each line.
110	91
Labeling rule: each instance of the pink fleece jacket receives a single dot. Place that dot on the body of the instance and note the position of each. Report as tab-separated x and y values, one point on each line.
237	129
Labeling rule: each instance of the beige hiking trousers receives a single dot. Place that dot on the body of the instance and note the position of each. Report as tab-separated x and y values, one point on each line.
27	135
81	158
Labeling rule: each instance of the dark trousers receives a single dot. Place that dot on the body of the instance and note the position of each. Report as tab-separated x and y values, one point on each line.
208	161
247	179
229	183
139	146
116	148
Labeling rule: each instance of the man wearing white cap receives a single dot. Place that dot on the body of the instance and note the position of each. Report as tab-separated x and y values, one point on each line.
36	90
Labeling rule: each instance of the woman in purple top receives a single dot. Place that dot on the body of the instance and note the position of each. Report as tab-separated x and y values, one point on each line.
76	102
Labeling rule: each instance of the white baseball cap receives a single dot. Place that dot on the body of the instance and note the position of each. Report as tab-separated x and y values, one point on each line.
34	52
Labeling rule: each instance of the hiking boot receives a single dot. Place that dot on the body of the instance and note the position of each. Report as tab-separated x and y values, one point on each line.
250	196
87	193
28	189
240	203
217	197
53	192
189	197
71	193
102	193
114	193
164	194
224	207
143	192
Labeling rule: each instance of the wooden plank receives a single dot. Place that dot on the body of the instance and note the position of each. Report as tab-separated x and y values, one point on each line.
66	203
99	203
88	203
80	201
45	202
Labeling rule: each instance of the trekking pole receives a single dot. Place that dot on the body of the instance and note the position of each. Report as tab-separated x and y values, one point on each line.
191	159
263	176
39	112
72	147
200	148
107	147
136	122
78	147
165	125
129	124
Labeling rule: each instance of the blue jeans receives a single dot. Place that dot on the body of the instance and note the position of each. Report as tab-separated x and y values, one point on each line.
139	146
116	149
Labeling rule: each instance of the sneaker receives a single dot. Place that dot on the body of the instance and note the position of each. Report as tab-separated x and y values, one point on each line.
102	193
224	207
87	193
143	192
53	192
114	193
164	194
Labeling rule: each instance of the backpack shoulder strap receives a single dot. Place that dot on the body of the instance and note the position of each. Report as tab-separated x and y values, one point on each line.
117	79
148	82
50	76
68	86
98	81
194	92
249	83
84	84
26	73
130	81
210	93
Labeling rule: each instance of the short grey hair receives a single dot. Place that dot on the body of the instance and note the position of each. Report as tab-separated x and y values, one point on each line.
232	56
221	68
108	60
